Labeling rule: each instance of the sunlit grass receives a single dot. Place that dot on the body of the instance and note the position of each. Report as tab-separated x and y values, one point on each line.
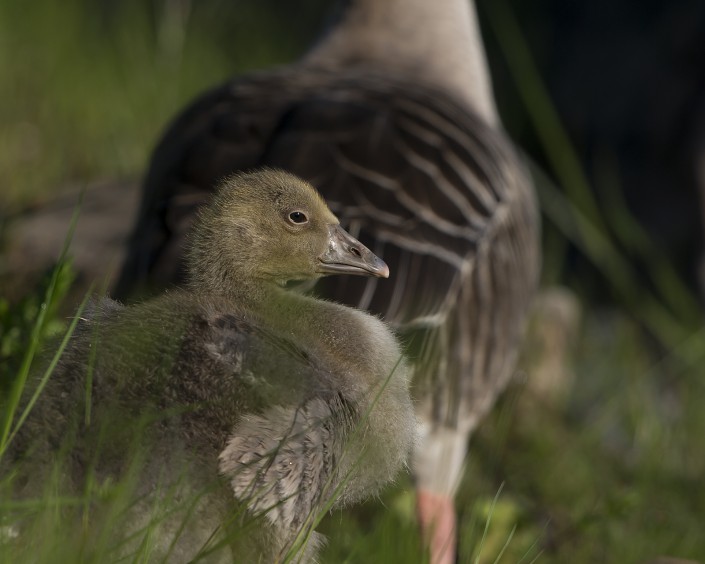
87	88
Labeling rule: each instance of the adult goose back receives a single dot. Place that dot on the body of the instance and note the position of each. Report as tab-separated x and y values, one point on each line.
391	116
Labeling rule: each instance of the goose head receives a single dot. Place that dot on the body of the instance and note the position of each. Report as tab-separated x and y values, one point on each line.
270	226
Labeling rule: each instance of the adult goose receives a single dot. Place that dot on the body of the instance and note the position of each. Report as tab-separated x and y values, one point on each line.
297	403
391	116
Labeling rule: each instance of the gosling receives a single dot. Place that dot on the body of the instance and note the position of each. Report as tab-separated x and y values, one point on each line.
259	403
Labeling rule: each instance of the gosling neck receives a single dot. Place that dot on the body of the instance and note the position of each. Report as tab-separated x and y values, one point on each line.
326	326
245	290
436	42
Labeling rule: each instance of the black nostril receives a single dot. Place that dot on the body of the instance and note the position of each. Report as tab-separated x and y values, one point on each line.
355	251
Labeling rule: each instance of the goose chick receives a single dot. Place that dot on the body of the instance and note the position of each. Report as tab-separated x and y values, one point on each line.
297	403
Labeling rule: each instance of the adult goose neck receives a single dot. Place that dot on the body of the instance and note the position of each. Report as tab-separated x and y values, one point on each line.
436	43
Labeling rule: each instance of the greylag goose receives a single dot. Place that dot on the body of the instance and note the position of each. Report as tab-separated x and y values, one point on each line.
296	402
391	116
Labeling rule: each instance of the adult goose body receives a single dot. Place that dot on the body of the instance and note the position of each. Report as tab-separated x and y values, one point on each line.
239	396
391	116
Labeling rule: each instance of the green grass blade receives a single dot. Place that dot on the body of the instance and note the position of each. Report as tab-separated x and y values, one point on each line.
487	524
505	545
23	373
49	371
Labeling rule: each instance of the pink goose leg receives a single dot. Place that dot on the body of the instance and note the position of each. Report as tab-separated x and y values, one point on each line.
438	465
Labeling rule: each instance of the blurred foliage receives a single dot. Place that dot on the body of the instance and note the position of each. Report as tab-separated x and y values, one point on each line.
86	87
611	475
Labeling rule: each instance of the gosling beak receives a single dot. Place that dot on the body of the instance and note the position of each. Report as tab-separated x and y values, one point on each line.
346	255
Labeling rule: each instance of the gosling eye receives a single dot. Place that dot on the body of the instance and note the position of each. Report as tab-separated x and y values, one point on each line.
298	217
